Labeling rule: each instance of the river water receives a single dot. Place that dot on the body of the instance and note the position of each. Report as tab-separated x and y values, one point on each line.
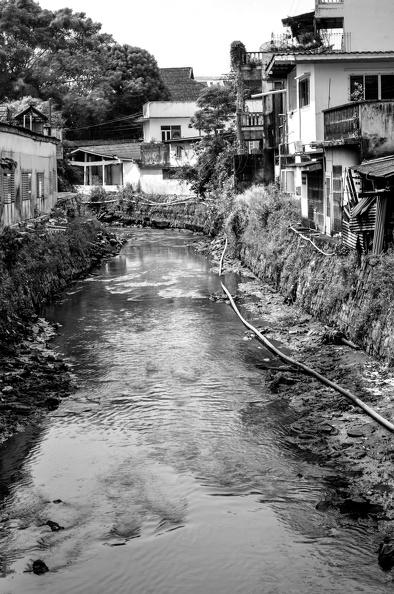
170	460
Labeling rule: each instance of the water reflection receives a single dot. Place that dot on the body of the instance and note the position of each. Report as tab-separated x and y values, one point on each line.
169	461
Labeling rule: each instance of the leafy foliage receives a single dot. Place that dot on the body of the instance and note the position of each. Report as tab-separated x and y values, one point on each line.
215	152
65	56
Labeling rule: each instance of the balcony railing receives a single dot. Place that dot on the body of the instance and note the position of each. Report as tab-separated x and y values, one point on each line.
325	42
252	120
155	154
329	2
342	122
254	58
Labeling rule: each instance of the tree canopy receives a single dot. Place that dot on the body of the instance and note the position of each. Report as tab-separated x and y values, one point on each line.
217	108
65	56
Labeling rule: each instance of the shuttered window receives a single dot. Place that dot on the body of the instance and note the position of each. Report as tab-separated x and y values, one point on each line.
40	185
8	187
26	185
54	181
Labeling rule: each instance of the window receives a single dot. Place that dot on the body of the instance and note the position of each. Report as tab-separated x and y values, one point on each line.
26	185
387	86
371	87
170	132
8	187
304	94
40	185
54	181
178	152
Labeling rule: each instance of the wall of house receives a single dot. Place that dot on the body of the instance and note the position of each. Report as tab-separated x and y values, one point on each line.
329	87
370	25
152	182
34	154
188	154
377	129
152	131
132	174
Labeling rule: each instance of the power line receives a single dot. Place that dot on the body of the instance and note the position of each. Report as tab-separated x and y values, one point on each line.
134	115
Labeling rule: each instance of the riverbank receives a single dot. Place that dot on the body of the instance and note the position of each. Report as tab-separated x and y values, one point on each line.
37	261
330	430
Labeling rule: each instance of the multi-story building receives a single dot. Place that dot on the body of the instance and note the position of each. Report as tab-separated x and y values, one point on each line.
337	68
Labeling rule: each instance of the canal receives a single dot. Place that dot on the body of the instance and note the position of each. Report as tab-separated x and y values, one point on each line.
169	467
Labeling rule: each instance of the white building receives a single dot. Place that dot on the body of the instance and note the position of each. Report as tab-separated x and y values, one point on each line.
28	170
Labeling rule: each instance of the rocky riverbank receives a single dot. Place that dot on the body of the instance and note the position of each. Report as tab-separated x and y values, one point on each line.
324	427
36	262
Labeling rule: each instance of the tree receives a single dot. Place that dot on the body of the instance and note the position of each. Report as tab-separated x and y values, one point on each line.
217	108
64	56
42	52
215	152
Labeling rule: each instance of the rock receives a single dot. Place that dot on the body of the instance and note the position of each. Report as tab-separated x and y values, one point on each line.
52	403
7	389
386	554
57	501
361	430
39	567
54	526
360	508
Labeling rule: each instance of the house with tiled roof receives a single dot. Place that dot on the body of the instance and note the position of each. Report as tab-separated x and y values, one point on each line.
181	83
109	164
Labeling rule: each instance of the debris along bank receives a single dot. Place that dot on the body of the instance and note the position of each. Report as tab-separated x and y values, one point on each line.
37	260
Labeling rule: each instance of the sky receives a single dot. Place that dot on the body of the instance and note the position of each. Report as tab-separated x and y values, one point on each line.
185	33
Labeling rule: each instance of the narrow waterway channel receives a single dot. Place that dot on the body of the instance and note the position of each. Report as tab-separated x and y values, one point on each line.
168	467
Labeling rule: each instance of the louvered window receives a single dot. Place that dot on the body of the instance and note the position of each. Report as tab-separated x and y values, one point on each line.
26	185
8	187
40	185
50	183
54	182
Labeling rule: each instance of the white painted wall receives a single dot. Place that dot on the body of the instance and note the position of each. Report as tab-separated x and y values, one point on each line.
152	128
152	182
34	154
329	87
168	113
370	23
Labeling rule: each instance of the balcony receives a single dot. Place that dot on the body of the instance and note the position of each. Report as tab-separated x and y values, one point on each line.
252	125
370	124
155	154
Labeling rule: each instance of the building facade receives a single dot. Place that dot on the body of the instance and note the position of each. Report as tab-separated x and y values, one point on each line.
28	166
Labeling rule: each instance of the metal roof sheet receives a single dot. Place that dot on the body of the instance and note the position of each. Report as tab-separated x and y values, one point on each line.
383	167
125	150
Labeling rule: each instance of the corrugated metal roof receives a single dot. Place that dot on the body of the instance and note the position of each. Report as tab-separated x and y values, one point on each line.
124	150
383	167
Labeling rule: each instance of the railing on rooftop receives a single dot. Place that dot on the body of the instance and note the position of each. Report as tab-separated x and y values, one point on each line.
330	2
326	42
253	58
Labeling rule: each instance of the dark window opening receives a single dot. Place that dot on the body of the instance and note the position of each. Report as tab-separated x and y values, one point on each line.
304	92
387	85
371	86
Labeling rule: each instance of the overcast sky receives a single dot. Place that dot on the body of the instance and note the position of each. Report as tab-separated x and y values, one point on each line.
185	33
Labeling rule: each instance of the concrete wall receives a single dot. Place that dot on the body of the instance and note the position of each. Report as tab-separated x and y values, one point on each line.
152	128
32	153
371	24
152	182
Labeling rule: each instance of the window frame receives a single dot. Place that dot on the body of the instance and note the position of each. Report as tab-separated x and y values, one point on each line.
357	78
8	194
170	132
27	173
304	92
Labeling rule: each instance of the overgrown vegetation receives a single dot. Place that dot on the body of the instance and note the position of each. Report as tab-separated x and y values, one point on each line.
34	264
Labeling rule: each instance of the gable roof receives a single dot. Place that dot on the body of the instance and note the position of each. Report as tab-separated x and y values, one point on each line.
128	151
181	84
31	109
